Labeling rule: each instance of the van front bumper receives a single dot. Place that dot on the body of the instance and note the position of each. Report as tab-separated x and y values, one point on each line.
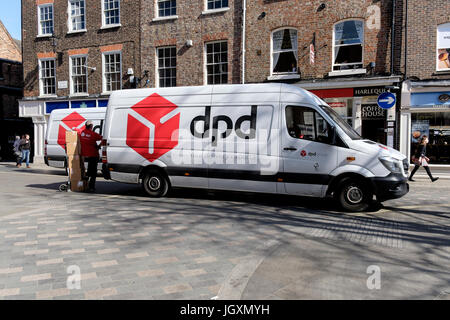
392	186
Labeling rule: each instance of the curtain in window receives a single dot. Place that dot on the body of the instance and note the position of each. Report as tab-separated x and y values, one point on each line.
277	40
294	43
349	32
348	41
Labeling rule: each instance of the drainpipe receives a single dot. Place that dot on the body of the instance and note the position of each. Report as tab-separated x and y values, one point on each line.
393	37
244	11
406	39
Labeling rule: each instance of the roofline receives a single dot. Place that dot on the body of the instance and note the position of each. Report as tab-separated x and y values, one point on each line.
11	61
19	50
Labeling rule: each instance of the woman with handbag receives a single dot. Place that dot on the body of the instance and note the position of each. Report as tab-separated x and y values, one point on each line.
420	159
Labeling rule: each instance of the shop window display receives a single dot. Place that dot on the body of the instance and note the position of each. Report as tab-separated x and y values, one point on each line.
436	125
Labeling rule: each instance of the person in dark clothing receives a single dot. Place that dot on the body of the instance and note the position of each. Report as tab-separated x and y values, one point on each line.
420	159
17	152
89	150
25	146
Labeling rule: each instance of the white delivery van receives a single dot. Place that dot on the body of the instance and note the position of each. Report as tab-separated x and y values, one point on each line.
270	138
67	119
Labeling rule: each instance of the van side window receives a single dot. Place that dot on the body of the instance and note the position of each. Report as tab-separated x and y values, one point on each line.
305	123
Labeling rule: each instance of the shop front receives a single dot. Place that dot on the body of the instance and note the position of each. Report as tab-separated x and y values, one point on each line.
356	102
426	111
39	111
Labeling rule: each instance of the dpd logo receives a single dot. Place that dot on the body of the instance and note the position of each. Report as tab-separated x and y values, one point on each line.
72	121
152	127
206	119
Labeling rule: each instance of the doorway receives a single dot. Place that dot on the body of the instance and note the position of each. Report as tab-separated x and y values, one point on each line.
373	123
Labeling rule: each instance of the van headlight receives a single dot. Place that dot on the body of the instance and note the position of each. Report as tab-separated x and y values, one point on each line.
391	164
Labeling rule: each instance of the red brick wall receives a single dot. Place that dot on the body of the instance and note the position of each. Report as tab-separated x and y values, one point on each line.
304	16
191	25
423	19
127	35
8	48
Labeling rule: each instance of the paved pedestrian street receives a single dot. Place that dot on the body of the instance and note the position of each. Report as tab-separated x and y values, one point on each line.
197	244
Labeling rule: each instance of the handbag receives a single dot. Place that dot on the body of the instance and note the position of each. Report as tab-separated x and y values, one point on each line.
423	161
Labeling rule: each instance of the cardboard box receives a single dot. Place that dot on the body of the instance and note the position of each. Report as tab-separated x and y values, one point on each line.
75	163
73	145
78	185
77	175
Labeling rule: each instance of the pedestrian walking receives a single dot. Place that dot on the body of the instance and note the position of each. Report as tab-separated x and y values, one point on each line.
420	159
25	146
17	152
89	150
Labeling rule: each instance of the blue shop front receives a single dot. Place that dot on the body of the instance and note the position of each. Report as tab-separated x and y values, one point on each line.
426	111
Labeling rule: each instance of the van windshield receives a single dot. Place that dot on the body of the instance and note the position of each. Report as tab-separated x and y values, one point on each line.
341	123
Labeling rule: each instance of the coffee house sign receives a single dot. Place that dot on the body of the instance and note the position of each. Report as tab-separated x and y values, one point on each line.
372	112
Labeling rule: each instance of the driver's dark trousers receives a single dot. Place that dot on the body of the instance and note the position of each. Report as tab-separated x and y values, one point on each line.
92	170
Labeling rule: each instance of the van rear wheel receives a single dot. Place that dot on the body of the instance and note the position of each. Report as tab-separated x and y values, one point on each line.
353	195
155	184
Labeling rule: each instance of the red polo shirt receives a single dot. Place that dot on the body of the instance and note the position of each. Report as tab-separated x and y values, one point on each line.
88	139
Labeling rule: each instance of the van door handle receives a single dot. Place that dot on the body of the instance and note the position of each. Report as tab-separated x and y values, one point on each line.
290	149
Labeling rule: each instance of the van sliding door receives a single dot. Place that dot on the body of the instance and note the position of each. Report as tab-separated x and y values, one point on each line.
239	153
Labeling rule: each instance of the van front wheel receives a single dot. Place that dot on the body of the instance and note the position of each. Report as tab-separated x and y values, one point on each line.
353	195
155	184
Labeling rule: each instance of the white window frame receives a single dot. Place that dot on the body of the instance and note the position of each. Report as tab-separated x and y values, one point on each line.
157	66
212	11
72	93
41	80
282	75
161	18
347	71
40	34
205	59
104	85
69	20
111	25
445	25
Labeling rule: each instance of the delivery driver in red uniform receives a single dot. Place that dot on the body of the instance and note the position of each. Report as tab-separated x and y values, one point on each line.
89	150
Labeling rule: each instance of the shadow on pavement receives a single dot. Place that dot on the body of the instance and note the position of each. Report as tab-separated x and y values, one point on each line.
319	230
272	200
25	170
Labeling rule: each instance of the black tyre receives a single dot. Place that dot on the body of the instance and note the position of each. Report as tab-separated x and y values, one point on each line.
155	184
353	195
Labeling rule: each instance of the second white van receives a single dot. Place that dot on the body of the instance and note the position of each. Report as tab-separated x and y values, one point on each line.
67	119
270	138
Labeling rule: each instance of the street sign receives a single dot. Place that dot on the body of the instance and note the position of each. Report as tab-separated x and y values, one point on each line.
386	100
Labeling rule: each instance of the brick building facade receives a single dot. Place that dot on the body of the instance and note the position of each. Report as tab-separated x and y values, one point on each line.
11	90
347	52
425	106
91	40
340	50
75	52
188	28
307	19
